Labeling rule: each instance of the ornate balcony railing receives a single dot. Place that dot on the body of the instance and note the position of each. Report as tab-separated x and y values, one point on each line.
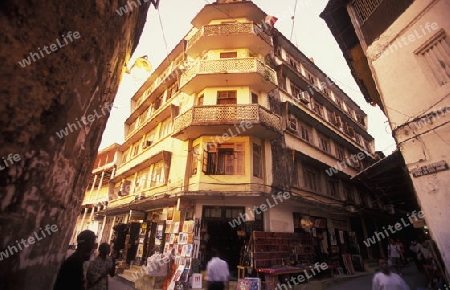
236	65
227	114
228	29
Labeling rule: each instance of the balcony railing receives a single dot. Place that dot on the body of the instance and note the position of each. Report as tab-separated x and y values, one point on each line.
237	65
227	114
228	29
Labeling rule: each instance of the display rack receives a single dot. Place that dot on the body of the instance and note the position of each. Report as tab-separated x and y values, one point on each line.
274	249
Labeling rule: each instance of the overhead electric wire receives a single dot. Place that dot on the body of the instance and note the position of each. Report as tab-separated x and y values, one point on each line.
293	20
163	34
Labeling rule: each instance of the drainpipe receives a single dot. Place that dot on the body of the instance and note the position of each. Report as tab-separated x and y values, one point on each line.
187	172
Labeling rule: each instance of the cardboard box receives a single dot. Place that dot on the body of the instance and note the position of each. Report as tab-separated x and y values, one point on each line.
196	281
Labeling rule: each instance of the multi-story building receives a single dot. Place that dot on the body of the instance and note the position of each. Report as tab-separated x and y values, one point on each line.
98	194
399	54
234	116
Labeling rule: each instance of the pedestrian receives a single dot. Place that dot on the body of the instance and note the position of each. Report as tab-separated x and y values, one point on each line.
217	272
100	268
394	255
70	275
386	280
416	249
401	248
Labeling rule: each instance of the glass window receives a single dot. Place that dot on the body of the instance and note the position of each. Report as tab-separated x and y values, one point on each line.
257	161
226	97
224	159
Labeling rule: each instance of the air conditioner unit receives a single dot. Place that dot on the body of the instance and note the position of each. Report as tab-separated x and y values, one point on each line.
146	144
304	97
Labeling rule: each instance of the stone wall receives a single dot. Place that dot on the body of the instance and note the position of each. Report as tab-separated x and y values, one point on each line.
67	78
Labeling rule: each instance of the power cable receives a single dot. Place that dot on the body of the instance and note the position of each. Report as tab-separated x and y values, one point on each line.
163	34
293	20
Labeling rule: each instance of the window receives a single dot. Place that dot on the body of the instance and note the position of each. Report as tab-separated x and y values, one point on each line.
158	102
254	98
231	54
318	108
348	192
324	143
340	152
360	119
436	55
257	161
194	160
135	149
125	156
292	123
338	102
295	91
305	133
166	126
282	82
157	174
311	78
172	90
200	100
367	146
333	187
226	97
311	178
224	159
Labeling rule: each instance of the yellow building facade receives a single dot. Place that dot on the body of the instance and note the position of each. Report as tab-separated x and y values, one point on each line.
235	119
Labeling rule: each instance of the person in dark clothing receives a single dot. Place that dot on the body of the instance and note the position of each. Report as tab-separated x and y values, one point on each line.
71	275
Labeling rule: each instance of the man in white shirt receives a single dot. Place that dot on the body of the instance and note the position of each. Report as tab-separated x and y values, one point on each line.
386	280
394	255
217	272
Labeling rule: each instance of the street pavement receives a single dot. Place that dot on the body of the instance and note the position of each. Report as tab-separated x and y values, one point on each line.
415	280
116	283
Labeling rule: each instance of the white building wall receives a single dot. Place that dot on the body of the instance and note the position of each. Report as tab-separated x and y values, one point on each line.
406	83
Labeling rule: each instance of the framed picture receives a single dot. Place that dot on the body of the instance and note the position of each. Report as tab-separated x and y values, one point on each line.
255	283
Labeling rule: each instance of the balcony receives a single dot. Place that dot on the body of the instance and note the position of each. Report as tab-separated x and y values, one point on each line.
229	36
220	119
229	72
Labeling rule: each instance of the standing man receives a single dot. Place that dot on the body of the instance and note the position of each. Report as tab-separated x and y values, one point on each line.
386	280
394	255
71	274
217	272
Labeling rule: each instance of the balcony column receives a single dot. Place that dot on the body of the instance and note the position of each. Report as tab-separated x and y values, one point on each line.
82	221
100	234
111	230
99	187
187	172
92	189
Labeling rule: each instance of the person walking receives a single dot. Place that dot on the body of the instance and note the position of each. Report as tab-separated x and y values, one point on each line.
71	274
386	280
99	268
416	249
394	255
217	272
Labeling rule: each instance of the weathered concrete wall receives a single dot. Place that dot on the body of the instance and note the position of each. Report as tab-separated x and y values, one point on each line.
44	183
410	92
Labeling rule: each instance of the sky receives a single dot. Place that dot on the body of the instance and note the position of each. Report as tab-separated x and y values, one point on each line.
171	22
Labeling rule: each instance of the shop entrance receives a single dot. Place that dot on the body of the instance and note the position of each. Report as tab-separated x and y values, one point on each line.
218	233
